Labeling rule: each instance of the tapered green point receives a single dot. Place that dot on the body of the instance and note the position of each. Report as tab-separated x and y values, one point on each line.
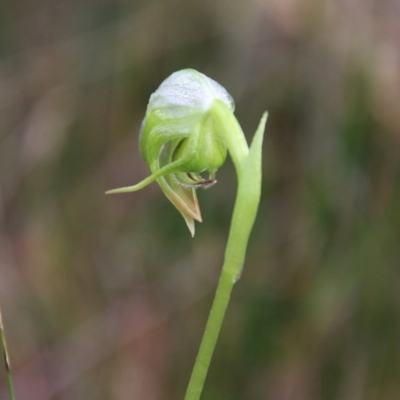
258	136
127	189
168	169
250	180
253	160
134	188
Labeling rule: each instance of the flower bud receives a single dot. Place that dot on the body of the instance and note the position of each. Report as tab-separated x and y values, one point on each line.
181	138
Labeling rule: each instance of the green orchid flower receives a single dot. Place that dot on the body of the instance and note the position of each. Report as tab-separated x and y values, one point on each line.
181	139
188	129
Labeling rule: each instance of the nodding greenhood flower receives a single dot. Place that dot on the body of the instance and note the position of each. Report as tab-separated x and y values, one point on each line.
182	137
188	129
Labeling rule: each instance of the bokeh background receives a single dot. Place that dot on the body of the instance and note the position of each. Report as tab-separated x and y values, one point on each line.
106	297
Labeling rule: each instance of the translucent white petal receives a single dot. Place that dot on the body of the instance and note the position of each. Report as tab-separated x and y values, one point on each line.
185	93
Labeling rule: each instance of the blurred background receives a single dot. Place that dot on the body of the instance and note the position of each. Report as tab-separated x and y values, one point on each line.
106	297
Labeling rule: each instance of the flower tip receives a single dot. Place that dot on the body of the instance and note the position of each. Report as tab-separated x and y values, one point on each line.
191	228
190	224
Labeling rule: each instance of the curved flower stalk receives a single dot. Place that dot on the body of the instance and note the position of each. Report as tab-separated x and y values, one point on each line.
188	129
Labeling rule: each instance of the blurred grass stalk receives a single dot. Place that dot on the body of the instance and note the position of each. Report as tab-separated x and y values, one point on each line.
6	360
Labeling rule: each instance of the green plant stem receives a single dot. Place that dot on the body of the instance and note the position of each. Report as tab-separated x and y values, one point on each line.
210	337
248	168
6	361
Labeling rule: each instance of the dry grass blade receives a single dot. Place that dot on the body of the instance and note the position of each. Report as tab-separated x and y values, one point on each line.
6	360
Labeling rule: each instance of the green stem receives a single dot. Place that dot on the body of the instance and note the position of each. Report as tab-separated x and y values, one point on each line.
6	361
210	337
248	168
